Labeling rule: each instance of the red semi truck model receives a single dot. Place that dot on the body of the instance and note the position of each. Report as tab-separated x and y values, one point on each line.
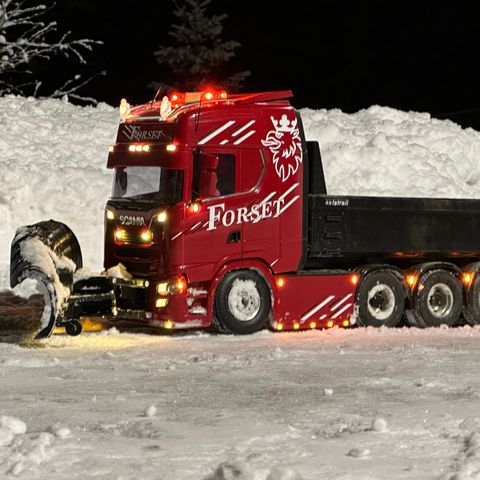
221	217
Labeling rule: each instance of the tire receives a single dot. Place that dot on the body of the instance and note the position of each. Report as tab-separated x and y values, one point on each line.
471	309
438	299
242	303
55	235
380	300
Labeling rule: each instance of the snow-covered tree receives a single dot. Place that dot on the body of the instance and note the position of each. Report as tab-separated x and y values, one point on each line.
27	40
199	55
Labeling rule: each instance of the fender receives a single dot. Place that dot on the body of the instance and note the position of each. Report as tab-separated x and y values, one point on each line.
249	264
365	270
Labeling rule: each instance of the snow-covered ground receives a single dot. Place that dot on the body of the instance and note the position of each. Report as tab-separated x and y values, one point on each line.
355	404
358	404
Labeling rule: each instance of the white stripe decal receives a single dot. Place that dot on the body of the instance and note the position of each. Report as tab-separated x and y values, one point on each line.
223	142
348	305
239	131
267	198
240	140
203	141
323	317
176	236
273	263
317	308
288	191
288	205
195	226
341	302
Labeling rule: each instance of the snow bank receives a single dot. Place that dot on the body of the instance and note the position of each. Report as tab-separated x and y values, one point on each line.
382	151
53	157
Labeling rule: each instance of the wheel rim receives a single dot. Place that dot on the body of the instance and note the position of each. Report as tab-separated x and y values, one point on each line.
440	300
244	300
381	301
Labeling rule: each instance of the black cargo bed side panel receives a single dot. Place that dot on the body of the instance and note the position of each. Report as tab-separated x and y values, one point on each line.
357	230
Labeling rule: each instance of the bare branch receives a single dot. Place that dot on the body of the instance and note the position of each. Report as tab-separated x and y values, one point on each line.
26	39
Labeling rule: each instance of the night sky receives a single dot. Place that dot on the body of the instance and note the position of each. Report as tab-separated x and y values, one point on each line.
333	54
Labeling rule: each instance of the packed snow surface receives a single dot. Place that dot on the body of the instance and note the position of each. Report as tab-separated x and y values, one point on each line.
53	157
123	406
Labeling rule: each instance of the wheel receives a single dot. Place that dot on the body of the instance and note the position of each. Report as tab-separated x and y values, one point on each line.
73	328
438	299
471	309
242	303
380	300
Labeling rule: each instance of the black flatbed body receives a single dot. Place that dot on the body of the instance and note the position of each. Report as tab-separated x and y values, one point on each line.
349	231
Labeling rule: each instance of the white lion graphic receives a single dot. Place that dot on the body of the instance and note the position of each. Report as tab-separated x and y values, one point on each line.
285	144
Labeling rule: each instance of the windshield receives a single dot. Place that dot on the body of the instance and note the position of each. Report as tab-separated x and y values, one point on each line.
151	184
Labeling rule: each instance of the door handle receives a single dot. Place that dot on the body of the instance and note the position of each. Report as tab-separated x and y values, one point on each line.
234	237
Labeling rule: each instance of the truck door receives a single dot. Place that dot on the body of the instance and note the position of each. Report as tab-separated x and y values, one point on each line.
213	235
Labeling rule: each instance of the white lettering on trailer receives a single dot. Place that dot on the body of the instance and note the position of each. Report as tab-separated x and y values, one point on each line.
314	310
346	307
341	302
209	137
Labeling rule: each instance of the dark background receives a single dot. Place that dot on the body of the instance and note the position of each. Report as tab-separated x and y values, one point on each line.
419	56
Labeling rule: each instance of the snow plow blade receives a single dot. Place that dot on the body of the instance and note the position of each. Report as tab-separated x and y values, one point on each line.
46	255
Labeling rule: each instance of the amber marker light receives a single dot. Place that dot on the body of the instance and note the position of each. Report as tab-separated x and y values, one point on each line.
411	279
280	282
111	148
279	327
330	324
296	326
208	95
119	234
180	285
146	148
168	324
354	279
346	323
313	325
467	278
131	148
194	207
171	147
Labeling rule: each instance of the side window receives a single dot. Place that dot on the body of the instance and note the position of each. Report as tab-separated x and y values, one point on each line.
213	174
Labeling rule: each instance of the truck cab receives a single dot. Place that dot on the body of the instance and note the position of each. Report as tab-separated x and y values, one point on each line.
214	185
